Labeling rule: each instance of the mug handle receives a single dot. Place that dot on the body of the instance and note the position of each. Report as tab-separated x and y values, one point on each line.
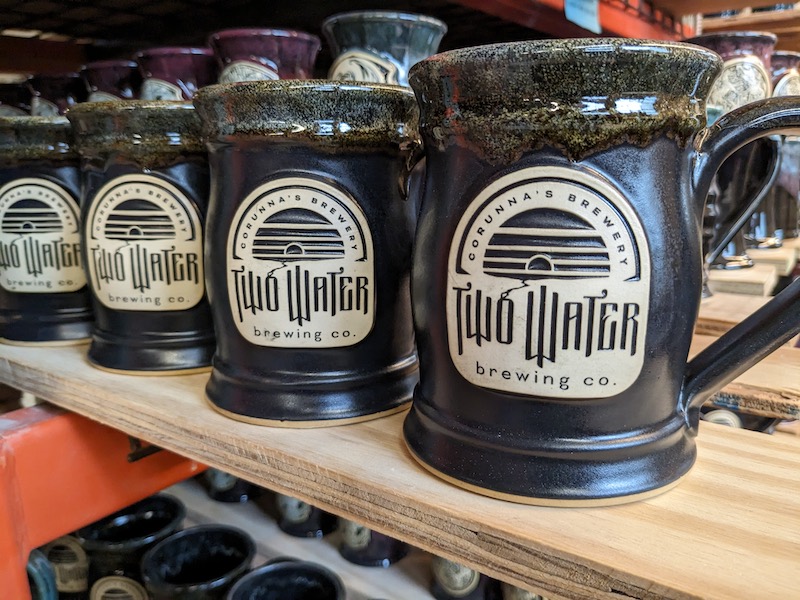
776	322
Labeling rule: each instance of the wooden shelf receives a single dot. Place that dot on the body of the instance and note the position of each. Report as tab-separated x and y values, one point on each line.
730	526
784	23
758	280
720	312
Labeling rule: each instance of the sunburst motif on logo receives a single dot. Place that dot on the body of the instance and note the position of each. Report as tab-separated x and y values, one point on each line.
297	234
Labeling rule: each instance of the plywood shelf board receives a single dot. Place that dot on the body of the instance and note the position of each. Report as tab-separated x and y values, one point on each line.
730	525
721	311
784	259
758	280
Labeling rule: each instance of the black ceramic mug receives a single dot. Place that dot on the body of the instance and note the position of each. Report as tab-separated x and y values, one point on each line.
300	519
363	546
454	581
145	193
116	544
198	563
44	298
289	580
311	237
557	268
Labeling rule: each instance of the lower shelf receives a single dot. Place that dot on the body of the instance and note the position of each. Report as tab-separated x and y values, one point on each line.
407	579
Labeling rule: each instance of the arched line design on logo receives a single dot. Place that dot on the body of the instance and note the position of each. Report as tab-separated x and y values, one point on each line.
297	234
281	226
546	243
141	219
31	216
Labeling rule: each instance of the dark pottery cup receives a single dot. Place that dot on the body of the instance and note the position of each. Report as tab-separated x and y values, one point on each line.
115	545
744	181
110	80
289	580
300	519
175	73
41	577
43	293
555	288
54	93
145	193
71	567
776	218
311	299
380	46
452	581
363	546
224	487
255	54
15	99
510	592
198	563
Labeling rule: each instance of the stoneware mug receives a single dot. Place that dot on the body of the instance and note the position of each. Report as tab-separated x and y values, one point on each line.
43	293
145	193
311	236
557	266
743	181
380	46
15	99
110	80
54	93
175	72
254	54
289	580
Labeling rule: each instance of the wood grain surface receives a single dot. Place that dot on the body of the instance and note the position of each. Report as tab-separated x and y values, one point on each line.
758	280
720	312
730	530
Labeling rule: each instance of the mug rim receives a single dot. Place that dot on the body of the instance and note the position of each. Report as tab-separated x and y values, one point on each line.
382	15
721	35
300	85
173	50
263	32
270	567
110	63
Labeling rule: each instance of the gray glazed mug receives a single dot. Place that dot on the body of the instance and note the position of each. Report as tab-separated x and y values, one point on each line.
557	266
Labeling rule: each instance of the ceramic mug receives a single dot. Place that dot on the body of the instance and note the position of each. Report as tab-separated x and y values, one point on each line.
380	46
111	80
15	100
145	194
557	266
363	546
175	73
744	180
198	563
115	545
54	93
289	580
311	234
44	298
452	581
254	54
300	519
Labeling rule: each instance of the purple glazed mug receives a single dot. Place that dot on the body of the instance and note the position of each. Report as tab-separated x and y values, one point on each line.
175	73
253	54
54	93
111	80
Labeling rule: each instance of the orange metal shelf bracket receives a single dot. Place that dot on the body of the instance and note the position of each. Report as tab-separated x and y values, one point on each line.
60	471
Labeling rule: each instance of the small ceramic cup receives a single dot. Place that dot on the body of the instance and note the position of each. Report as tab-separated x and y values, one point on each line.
198	563
363	546
145	191
54	93
44	298
511	592
71	565
289	580
175	73
380	46
300	519
115	545
452	581
15	99
111	80
253	54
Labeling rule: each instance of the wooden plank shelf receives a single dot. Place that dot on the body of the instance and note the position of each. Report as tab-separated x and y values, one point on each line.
720	312
783	23
731	525
784	259
758	280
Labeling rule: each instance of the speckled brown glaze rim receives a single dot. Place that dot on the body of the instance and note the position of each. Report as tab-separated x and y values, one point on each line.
33	138
577	95
136	127
325	112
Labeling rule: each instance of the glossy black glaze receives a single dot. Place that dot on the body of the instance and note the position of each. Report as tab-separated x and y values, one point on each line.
587	447
224	487
365	157
452	581
115	544
157	143
363	546
300	519
289	580
199	563
42	148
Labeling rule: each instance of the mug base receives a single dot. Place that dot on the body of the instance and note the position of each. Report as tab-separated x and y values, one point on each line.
152	373
46	343
307	424
552	502
143	356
